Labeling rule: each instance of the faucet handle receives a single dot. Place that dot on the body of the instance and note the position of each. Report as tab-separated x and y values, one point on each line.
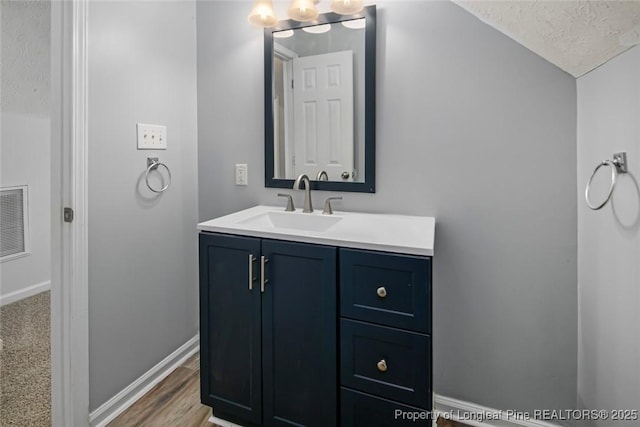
327	205
290	207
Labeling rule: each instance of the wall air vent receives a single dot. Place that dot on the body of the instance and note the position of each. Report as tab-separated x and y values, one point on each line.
14	224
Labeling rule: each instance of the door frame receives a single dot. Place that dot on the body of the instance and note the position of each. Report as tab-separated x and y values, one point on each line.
69	167
287	56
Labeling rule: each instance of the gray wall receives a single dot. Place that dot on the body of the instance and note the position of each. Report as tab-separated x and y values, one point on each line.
473	129
143	268
25	139
609	240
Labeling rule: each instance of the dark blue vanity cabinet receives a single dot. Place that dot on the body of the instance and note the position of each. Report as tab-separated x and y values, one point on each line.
230	327
385	339
268	328
296	334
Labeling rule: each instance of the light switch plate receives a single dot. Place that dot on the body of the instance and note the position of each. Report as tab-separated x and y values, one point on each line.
241	174
151	137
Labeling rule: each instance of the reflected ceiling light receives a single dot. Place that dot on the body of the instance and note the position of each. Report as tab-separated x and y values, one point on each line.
347	7
283	34
317	29
303	10
262	14
355	24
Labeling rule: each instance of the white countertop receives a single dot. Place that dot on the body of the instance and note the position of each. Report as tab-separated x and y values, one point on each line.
381	232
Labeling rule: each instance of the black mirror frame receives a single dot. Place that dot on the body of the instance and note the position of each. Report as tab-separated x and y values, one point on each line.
368	186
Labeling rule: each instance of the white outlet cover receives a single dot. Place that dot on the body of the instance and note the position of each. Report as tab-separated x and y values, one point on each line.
151	137
241	174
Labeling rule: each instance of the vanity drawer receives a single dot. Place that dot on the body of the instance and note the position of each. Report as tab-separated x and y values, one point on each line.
386	362
364	410
388	289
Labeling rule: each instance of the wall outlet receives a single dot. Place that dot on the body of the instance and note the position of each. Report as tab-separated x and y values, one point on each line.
151	137
241	175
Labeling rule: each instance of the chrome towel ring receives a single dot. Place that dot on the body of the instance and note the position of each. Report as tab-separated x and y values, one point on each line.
617	165
152	164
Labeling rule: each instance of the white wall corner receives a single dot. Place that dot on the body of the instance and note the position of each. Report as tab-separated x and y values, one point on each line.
119	403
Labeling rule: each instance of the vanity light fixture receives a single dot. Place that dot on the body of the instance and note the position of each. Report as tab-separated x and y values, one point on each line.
303	10
262	14
347	7
355	24
283	34
317	29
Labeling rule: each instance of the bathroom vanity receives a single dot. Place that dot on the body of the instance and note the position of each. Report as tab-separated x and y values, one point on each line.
316	320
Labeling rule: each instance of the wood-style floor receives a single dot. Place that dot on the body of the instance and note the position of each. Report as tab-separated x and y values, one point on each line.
173	402
176	402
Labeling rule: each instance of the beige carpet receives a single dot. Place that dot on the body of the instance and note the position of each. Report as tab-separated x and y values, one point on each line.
25	362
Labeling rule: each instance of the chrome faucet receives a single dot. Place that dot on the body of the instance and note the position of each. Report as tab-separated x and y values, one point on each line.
308	208
322	176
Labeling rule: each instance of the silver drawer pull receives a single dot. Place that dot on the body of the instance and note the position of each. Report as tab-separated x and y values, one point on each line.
382	292
251	259
382	366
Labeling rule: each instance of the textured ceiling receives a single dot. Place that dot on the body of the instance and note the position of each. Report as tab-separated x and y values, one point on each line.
25	56
575	35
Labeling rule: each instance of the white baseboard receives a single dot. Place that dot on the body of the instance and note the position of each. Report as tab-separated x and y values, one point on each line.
222	423
29	291
471	414
134	391
456	410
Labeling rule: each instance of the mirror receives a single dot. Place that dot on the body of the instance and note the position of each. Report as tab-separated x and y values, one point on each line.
320	102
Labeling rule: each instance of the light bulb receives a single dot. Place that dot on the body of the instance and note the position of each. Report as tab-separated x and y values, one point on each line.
317	29
347	7
262	14
303	10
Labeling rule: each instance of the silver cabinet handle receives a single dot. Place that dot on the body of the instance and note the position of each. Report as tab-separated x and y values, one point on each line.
251	259
382	365
382	292
263	280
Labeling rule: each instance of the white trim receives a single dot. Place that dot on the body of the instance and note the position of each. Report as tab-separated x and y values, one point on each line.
287	56
457	410
75	284
23	293
15	256
69	276
134	391
222	423
283	52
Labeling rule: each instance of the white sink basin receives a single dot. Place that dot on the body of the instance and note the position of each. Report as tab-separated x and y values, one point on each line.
292	221
382	232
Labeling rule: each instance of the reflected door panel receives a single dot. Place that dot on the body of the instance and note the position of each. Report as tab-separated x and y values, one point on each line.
323	115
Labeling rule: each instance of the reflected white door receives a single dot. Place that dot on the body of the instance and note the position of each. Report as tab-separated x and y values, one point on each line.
323	115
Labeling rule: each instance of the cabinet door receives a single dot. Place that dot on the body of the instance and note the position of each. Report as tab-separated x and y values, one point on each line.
230	341
299	327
